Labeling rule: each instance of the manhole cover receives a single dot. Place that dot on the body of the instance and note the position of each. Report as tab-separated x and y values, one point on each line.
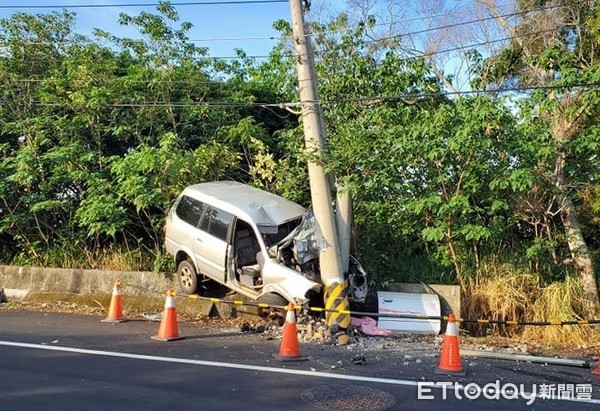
348	397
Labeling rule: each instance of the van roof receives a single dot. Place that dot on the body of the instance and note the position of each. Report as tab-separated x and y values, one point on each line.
263	208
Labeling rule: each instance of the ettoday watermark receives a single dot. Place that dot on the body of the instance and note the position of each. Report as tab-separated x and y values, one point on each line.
509	391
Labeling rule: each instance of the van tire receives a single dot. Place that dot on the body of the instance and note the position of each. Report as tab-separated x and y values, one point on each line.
187	277
273	300
275	315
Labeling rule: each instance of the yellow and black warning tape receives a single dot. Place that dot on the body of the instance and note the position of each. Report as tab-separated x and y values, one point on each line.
235	302
400	315
480	321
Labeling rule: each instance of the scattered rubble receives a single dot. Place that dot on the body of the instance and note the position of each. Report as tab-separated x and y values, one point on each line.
414	347
359	360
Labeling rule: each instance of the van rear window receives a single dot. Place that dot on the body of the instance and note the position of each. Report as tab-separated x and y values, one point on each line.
190	210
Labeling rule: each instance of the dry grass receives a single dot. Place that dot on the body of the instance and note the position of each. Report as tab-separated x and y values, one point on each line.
508	294
120	260
503	295
560	301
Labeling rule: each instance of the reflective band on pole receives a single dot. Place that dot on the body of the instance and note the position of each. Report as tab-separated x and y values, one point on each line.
336	301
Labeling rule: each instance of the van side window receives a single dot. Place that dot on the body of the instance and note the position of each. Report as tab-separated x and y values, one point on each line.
190	210
216	223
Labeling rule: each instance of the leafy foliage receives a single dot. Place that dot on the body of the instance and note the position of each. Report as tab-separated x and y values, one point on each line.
99	135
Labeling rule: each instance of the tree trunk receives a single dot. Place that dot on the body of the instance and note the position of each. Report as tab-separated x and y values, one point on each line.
580	253
459	273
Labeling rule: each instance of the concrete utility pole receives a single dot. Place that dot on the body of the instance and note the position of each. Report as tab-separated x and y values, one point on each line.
343	221
336	288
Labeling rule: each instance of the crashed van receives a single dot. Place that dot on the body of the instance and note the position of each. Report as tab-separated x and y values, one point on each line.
251	241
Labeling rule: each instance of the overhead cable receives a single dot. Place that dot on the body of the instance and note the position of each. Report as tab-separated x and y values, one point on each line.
119	5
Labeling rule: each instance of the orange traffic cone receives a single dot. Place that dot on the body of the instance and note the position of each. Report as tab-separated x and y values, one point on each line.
115	310
289	350
450	363
596	371
168	330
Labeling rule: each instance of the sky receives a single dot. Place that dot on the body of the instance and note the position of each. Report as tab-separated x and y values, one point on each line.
221	27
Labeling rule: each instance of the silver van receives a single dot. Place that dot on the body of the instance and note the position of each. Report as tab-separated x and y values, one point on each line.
253	242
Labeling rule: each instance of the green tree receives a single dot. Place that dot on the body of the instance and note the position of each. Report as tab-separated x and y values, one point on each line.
38	169
422	168
98	135
559	130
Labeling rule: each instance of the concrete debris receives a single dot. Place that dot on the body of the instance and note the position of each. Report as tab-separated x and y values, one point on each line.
410	348
153	316
517	348
342	338
254	328
359	360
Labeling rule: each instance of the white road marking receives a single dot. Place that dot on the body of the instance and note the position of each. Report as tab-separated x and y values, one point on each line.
251	367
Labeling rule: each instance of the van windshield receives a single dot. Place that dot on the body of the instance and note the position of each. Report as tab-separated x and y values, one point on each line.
283	230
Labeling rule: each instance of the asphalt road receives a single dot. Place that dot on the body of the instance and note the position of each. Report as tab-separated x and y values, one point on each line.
53	361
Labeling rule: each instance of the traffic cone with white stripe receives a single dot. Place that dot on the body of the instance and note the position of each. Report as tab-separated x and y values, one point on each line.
168	329
450	363
289	350
115	310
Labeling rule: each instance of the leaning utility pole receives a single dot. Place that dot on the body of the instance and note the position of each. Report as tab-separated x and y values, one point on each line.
336	288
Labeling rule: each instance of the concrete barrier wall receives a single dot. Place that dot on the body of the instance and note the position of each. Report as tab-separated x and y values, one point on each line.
40	279
142	290
449	294
99	282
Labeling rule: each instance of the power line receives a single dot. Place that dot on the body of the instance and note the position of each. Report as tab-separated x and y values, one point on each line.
411	33
127	40
199	58
458	24
159	104
422	55
408	20
119	5
412	96
468	46
481	44
371	100
263	57
122	80
422	31
464	23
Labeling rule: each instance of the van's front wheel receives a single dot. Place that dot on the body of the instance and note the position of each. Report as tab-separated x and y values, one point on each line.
276	315
187	277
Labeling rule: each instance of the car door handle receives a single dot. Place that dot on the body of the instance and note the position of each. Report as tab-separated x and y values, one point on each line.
198	239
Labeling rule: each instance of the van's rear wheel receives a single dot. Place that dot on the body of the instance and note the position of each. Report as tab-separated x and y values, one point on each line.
187	277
